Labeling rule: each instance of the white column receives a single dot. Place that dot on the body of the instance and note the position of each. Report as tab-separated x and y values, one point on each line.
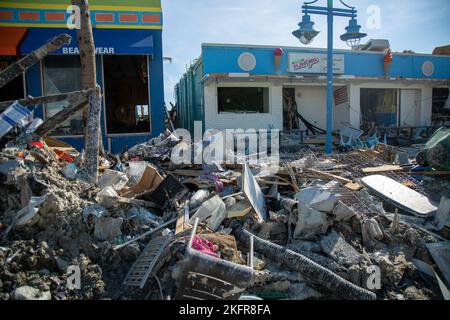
355	108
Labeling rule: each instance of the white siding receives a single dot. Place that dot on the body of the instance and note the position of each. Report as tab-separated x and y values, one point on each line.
410	104
312	105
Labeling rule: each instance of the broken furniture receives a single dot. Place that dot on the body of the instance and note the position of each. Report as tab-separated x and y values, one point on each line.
350	137
204	277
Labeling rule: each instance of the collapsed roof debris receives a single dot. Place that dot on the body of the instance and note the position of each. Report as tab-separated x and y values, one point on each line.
148	225
137	225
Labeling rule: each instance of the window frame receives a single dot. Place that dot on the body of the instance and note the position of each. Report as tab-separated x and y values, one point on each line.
44	107
149	81
245	86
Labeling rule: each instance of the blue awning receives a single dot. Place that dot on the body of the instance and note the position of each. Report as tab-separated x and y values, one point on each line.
107	41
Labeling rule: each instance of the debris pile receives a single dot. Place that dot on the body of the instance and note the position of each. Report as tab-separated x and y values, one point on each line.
316	228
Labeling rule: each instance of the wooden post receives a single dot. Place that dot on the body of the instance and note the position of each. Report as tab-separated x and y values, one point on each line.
28	61
88	68
92	144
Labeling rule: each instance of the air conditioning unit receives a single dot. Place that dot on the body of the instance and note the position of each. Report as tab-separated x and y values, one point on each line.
377	45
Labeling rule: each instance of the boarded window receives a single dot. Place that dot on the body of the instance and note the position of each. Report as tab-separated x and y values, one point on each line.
243	100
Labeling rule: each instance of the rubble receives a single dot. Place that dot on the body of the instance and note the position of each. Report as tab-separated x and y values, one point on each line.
129	233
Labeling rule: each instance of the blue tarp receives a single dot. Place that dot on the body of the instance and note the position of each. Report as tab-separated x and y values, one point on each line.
107	41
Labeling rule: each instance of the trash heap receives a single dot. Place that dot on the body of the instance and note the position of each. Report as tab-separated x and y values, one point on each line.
316	228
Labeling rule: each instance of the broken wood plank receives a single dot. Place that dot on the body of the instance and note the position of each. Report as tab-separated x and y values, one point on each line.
385	168
188	173
354	186
293	179
28	61
331	176
76	103
33	101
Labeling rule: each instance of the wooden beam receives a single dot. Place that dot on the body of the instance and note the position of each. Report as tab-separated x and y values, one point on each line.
385	168
33	101
330	176
76	103
28	61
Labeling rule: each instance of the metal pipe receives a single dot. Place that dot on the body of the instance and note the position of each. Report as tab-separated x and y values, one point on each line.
316	273
329	142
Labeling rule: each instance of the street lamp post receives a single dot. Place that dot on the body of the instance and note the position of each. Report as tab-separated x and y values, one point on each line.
306	34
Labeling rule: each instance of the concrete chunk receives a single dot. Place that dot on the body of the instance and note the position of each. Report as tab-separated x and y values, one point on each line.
30	293
338	249
310	222
318	198
342	212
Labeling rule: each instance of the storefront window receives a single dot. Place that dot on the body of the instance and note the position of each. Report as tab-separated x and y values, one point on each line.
379	107
126	94
13	90
63	74
243	100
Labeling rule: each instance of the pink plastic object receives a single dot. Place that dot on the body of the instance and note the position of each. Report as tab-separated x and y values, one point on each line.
205	246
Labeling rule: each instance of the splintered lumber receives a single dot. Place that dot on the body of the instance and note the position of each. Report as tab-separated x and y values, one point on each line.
293	179
33	101
330	176
385	168
353	186
28	61
77	101
188	173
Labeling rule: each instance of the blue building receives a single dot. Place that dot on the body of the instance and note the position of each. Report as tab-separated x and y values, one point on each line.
129	61
248	86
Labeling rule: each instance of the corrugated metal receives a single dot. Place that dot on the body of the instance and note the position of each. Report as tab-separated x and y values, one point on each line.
189	97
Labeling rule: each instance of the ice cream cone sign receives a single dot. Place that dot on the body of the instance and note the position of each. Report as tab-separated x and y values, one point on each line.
278	55
387	62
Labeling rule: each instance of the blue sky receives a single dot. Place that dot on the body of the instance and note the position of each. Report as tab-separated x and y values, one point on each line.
418	25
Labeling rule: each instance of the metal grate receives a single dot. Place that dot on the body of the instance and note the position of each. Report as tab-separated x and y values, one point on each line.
143	266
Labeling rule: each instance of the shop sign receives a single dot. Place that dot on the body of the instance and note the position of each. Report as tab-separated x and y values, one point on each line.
98	50
314	63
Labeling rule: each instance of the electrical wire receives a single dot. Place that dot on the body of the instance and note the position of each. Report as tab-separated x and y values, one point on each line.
159	285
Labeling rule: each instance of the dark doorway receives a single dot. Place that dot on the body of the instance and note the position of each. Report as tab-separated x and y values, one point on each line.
379	108
126	94
14	90
441	112
290	118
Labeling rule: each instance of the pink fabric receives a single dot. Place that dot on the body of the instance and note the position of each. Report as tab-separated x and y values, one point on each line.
205	246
